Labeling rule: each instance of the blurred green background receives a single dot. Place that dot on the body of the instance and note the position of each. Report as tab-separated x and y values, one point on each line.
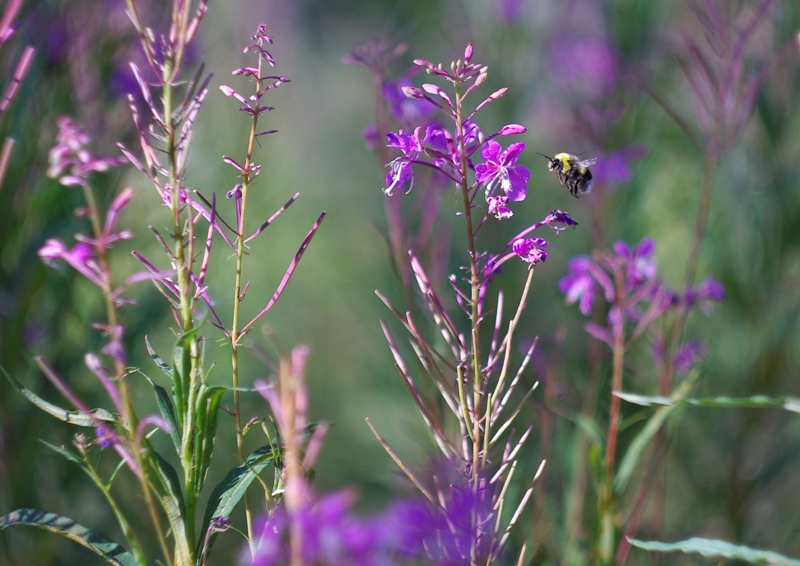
731	473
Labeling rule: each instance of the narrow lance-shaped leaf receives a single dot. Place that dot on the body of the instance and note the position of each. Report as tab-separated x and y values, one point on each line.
167	409
164	479
181	371
112	552
207	411
791	404
78	418
654	424
162	365
710	548
227	493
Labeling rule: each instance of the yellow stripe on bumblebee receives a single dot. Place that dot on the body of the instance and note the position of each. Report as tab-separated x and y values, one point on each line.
572	173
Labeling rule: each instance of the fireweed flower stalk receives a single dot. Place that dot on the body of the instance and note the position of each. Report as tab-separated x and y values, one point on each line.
627	280
195	403
248	171
725	78
476	385
72	163
294	531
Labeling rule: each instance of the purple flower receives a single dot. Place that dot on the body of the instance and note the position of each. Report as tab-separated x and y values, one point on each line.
705	294
332	537
105	438
689	355
400	170
508	11
261	38
502	168
578	285
70	162
559	220
640	266
593	66
407	111
81	258
530	250
497	206
370	137
612	169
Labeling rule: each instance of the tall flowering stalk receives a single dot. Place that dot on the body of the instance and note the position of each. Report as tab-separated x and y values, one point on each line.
72	163
472	370
248	171
171	132
189	413
634	298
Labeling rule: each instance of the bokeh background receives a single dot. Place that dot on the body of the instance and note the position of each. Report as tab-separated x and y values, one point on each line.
584	76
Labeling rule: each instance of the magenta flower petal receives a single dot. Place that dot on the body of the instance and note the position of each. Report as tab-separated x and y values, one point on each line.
531	250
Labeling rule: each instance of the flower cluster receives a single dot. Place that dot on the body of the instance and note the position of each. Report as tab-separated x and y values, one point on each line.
409	529
502	179
70	161
332	537
628	281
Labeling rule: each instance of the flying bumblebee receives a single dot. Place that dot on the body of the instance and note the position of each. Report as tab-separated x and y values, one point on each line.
572	172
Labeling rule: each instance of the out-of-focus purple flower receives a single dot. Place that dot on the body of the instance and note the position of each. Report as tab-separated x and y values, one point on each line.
501	167
508	11
332	537
409	112
400	170
586	66
578	284
105	438
80	257
615	168
375	55
70	162
490	268
531	250
689	355
370	137
705	295
639	264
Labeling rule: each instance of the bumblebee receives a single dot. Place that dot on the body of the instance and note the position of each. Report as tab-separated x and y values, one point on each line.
572	172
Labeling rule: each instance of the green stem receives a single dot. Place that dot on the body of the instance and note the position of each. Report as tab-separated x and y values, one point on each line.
477	376
129	419
182	270
237	300
606	499
127	531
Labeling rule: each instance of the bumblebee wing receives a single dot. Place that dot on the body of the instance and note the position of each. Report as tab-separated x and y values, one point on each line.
587	162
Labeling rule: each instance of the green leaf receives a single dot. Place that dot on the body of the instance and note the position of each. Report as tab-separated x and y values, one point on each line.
181	372
637	446
78	418
791	404
165	480
65	453
164	366
94	541
654	423
710	548
167	409
207	412
227	493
